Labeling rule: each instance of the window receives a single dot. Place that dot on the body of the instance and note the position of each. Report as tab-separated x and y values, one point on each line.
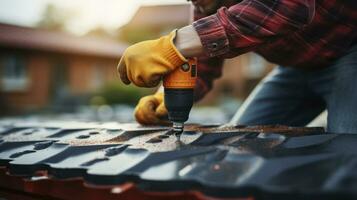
13	73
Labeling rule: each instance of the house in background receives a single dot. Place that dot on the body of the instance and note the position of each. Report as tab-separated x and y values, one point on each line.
39	67
240	74
150	22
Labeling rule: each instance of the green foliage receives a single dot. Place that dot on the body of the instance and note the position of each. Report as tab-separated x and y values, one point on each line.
118	93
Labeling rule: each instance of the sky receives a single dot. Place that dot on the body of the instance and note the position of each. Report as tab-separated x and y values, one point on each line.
89	13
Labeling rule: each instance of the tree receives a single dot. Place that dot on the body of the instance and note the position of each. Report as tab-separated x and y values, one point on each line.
54	18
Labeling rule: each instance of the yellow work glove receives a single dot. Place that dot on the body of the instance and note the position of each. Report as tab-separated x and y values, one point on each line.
151	110
146	62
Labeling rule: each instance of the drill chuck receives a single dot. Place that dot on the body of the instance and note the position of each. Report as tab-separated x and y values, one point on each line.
178	102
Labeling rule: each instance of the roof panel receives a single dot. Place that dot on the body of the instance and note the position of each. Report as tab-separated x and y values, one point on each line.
242	161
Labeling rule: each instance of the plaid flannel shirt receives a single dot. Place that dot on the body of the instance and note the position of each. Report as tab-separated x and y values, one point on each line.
294	33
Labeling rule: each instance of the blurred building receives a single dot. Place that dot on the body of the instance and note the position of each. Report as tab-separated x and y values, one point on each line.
39	68
149	22
240	75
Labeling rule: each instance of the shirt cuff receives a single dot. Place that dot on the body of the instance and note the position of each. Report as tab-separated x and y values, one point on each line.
213	36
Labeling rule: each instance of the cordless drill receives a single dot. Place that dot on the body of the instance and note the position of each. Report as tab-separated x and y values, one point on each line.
178	94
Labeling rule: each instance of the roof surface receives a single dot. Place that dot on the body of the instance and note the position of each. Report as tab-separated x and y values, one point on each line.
37	39
263	162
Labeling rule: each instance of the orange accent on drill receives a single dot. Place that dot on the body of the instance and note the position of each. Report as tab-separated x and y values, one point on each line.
178	93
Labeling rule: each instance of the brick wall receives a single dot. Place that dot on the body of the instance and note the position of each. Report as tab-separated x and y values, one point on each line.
36	93
88	73
78	75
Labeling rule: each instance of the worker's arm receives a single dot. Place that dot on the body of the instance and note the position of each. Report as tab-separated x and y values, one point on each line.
243	27
208	68
246	26
151	108
250	24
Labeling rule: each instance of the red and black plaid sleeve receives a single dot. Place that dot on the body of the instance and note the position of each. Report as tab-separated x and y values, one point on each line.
295	33
208	69
251	23
242	27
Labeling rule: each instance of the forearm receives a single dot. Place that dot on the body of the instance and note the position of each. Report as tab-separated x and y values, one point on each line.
188	42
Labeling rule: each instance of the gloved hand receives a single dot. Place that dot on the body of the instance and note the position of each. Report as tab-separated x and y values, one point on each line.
146	62
151	110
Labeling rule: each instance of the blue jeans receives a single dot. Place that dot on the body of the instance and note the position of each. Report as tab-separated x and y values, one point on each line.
294	97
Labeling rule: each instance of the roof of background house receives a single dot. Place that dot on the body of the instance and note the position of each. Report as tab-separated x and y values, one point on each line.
162	15
44	40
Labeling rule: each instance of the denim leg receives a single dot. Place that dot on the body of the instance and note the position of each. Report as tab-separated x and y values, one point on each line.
340	93
283	97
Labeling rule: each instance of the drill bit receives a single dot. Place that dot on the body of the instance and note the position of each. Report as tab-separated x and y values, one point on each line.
178	129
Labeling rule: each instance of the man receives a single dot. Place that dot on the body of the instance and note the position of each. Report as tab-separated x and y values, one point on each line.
313	41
